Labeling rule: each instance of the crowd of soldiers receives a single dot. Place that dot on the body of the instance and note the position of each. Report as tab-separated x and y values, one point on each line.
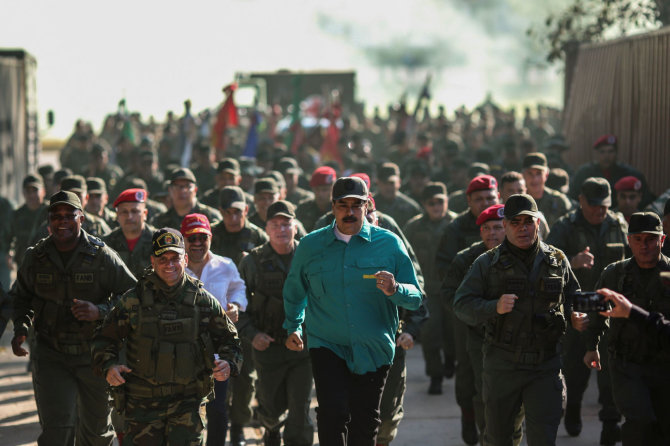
503	235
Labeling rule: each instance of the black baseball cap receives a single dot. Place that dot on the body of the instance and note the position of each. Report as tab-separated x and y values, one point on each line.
281	208
96	185
65	197
432	190
166	239
520	204
182	174
597	191
232	197
32	180
645	223
350	187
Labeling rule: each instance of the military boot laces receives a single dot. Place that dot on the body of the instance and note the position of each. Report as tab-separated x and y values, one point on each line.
272	437
573	420
611	433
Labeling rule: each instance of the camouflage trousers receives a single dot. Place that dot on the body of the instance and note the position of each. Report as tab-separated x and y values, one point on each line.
391	410
178	421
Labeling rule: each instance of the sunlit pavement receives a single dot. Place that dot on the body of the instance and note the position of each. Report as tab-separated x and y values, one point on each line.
429	420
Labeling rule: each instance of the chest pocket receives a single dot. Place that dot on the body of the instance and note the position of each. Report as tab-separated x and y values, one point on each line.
318	274
550	290
613	253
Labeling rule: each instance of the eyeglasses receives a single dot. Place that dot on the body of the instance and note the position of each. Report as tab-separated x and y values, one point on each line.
198	238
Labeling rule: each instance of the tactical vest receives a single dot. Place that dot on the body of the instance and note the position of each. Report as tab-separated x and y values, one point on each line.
55	290
267	302
171	349
629	340
531	331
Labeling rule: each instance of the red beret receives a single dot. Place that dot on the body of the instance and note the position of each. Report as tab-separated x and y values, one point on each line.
363	176
195	224
482	182
131	196
605	140
322	176
495	212
628	183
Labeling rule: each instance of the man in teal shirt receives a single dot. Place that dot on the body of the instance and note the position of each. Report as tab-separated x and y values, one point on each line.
345	284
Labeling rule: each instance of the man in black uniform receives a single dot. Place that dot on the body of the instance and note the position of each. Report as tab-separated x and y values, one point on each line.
591	237
639	364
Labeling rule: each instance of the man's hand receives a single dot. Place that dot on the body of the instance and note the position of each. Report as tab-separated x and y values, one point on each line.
262	341
84	310
583	259
221	371
115	375
294	342
506	303
405	340
580	321
386	282
621	307
17	341
592	359
233	312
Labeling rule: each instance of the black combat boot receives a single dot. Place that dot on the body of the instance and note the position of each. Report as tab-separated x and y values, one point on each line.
469	427
573	420
272	437
237	435
611	433
435	387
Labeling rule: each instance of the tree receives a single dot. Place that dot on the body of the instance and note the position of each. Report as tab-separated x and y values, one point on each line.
597	20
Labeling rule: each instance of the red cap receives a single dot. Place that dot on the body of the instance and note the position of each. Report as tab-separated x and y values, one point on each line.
605	140
131	196
482	182
363	176
323	176
495	212
628	183
195	224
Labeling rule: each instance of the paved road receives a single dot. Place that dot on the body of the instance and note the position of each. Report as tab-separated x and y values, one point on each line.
429	420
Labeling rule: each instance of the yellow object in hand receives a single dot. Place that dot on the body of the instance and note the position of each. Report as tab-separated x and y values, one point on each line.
369	276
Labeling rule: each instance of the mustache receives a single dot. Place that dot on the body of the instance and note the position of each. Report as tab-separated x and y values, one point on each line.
350	219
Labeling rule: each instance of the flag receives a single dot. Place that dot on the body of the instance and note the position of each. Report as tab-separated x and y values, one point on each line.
227	117
251	146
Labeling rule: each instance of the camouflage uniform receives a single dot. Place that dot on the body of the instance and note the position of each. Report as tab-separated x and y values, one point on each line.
171	336
137	260
608	243
171	219
93	225
308	213
236	245
25	224
284	376
402	208
69	396
521	361
299	195
437	341
109	216
553	205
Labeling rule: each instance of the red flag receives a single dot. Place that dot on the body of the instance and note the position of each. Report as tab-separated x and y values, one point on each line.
227	117
329	151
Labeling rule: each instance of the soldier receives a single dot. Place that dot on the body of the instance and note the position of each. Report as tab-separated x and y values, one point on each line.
462	232
66	285
227	174
183	190
266	192
100	167
309	211
639	364
220	277
93	224
284	376
437	332
132	239
591	237
519	290
418	176
294	193
628	196
551	203
511	183
97	201
205	169
605	165
28	218
234	237
178	339
492	234
388	197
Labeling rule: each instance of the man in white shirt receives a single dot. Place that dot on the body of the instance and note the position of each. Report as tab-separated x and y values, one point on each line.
220	277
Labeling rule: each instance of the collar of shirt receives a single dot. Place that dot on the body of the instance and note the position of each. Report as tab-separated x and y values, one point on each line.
364	233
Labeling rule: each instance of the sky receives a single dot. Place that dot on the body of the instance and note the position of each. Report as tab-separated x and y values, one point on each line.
156	54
